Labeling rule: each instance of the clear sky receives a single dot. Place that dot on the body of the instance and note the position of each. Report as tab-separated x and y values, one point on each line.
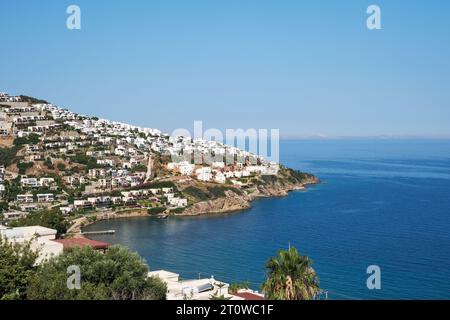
306	67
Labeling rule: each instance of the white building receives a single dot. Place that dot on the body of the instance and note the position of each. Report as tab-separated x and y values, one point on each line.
204	174
25	197
201	289
229	174
220	177
14	215
108	162
105	183
66	210
29	182
97	173
35	183
178	202
45	197
46	182
40	239
80	204
218	164
184	168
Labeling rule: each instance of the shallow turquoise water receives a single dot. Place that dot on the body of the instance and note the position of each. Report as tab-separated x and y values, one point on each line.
382	202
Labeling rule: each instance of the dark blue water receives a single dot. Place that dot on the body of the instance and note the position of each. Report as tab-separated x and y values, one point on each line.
382	202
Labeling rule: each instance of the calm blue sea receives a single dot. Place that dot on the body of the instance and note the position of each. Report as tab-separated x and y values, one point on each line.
381	202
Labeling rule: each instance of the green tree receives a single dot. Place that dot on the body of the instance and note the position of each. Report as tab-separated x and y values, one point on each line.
117	274
33	138
156	210
290	277
32	99
20	141
89	162
3	206
139	168
24	166
16	268
48	163
50	219
13	188
235	287
8	155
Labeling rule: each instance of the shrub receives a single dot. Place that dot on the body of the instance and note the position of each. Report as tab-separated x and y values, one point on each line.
50	219
31	139
156	210
117	274
16	268
139	168
219	191
235	287
23	166
8	155
48	163
269	179
162	184
32	100
196	193
177	210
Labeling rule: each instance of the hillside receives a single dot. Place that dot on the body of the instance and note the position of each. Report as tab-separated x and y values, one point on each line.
82	167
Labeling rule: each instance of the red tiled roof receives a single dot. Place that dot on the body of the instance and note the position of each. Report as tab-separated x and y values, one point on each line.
82	242
248	296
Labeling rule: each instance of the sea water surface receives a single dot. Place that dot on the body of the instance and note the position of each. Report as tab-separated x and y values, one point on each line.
381	202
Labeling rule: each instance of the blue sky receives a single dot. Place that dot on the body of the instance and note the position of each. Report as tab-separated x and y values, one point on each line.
309	68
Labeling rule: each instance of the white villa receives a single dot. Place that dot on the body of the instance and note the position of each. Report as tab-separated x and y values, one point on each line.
40	239
204	174
25	197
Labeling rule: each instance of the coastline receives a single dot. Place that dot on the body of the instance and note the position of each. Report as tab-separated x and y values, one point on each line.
79	223
235	203
231	203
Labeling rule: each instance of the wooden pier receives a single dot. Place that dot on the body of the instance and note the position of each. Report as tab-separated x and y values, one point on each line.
98	232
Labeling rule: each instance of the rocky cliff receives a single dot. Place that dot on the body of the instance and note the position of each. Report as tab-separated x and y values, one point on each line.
240	199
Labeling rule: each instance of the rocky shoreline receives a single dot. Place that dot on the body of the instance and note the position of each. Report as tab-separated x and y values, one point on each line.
232	202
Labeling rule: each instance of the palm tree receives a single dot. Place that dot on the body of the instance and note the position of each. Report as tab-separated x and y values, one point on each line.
290	277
